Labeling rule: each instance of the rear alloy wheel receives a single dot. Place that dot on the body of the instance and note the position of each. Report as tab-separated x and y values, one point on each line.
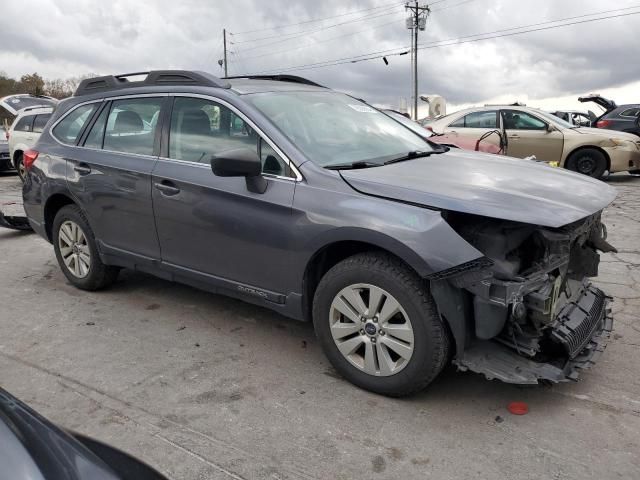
74	249
588	161
19	165
77	252
378	325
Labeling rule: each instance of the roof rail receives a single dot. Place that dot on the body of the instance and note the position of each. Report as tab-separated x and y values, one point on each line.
152	78
279	78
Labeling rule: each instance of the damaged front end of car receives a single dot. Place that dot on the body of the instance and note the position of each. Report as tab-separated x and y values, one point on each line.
527	311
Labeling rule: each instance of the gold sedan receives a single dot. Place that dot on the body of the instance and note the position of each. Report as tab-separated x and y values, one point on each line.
530	131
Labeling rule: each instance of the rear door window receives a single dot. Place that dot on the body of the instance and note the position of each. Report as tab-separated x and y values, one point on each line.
630	112
486	119
131	125
40	121
96	134
69	129
24	124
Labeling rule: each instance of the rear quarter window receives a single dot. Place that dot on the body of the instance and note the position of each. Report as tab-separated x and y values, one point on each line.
24	124
69	128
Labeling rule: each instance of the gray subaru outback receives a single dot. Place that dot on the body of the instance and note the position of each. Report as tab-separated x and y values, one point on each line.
405	255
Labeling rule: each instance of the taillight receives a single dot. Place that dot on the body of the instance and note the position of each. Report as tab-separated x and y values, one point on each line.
6	134
429	128
604	123
28	158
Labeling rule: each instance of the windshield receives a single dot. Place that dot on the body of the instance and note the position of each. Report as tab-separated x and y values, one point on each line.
407	122
334	129
555	120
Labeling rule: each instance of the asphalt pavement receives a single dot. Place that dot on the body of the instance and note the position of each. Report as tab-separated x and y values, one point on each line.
205	387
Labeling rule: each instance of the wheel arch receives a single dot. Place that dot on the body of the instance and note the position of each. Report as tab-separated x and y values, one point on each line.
585	147
334	251
53	205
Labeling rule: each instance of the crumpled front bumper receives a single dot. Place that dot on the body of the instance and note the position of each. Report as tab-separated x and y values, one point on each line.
582	329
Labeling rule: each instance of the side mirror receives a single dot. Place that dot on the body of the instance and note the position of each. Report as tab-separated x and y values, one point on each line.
551	128
240	162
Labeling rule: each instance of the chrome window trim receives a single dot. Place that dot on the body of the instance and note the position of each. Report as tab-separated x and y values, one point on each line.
292	166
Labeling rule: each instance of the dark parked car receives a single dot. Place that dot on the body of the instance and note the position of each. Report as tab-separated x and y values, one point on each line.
32	448
314	204
5	157
624	118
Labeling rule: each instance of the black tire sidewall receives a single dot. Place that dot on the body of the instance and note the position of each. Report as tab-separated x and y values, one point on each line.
16	165
424	348
599	158
74	214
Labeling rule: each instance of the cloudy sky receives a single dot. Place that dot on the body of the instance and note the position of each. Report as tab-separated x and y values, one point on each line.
547	68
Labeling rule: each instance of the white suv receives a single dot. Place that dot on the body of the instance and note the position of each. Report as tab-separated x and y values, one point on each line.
25	132
32	114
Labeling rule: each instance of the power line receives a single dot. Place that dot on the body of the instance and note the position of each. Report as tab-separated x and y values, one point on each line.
452	5
460	40
318	19
331	39
302	33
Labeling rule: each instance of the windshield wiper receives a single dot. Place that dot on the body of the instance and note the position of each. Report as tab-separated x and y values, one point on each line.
411	155
352	166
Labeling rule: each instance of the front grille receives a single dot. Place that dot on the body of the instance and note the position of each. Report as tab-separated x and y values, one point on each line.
578	321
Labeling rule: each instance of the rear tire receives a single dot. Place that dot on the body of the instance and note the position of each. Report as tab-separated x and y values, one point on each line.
77	252
19	166
588	161
391	370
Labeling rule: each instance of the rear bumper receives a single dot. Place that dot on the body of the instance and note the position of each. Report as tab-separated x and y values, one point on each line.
580	331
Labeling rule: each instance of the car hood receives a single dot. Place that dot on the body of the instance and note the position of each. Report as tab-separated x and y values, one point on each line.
488	185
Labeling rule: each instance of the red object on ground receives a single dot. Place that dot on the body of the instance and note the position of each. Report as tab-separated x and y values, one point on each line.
518	408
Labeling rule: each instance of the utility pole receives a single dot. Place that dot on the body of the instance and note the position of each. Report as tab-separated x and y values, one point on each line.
416	21
224	41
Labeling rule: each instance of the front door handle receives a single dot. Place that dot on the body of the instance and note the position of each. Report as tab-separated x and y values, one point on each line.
167	188
82	169
514	136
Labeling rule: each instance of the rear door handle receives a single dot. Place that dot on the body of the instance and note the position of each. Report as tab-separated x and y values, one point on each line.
167	188
82	169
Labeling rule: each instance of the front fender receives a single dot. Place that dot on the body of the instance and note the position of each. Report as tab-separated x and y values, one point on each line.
419	236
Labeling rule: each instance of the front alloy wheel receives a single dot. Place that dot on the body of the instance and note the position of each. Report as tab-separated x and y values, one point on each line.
371	330
74	249
378	324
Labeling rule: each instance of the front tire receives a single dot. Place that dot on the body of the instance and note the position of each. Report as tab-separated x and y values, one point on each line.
588	161
378	325
77	252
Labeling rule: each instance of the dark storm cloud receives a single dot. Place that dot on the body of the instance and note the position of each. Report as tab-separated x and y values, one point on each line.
61	38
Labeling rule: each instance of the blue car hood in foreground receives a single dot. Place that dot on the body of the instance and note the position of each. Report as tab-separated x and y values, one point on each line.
488	185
